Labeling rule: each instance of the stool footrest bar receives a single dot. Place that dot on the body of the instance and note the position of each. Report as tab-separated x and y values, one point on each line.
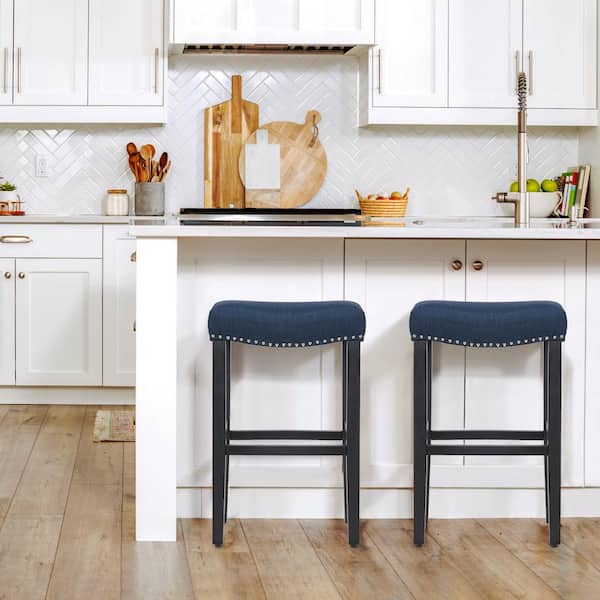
494	434
434	450
286	435
239	450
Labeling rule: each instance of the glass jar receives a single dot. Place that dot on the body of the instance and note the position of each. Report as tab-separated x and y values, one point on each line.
116	203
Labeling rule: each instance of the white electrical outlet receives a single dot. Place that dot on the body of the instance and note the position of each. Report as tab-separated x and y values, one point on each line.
41	166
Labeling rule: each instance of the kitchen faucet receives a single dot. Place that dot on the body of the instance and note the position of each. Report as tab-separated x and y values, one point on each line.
520	198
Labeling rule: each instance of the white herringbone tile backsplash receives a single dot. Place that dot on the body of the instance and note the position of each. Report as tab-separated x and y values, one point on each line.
451	170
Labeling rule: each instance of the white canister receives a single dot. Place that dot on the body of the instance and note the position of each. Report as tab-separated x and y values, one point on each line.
116	203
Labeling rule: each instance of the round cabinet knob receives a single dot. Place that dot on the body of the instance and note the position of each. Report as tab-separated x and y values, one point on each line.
133	257
477	265
21	275
457	265
7	275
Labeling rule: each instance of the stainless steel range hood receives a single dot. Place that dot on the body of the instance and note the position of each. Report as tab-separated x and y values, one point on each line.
264	49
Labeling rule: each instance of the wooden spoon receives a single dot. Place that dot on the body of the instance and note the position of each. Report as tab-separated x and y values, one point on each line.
165	172
134	165
131	149
146	152
162	163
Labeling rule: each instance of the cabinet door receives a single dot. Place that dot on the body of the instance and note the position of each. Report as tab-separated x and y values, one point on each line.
59	321
411	61
51	47
504	386
118	308
560	52
126	52
485	52
387	278
7	321
6	51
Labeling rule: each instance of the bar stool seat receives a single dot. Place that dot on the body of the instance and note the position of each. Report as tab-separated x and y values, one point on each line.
286	324
488	324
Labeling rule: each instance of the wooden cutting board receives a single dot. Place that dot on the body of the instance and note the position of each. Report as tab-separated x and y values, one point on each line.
303	161
226	128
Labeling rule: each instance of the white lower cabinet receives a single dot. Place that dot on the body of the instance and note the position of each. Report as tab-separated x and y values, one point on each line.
474	389
387	278
59	322
7	321
504	387
119	307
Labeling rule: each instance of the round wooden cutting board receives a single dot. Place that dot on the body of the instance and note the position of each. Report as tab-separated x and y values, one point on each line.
303	160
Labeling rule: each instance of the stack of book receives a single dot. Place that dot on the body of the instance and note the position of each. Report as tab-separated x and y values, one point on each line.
573	184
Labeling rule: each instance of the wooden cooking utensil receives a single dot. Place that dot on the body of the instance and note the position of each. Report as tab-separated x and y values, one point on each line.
136	166
162	162
303	160
146	153
226	128
166	172
131	149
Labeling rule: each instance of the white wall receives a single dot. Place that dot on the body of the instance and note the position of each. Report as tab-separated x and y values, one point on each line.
451	170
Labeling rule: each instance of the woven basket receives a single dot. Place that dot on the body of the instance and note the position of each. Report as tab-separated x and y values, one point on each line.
384	208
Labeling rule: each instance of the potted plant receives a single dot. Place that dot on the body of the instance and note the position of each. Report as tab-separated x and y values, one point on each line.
8	192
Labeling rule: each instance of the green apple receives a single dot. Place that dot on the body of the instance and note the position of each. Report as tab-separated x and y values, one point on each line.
533	185
514	187
549	185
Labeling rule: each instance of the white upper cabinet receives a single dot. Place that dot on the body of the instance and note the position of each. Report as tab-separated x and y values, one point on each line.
346	22
455	62
50	52
410	63
126	52
6	51
485	52
560	53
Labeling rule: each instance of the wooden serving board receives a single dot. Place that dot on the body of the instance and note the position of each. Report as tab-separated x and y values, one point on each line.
226	128
303	161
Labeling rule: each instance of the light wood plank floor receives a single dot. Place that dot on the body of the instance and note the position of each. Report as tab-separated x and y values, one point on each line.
67	525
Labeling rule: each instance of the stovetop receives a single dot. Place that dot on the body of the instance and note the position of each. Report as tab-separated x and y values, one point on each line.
323	217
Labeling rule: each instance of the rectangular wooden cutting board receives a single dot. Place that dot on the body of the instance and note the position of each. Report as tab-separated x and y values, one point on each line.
226	127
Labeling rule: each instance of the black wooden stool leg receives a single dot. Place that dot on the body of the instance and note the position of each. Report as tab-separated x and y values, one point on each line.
228	423
345	424
420	386
353	442
219	429
546	392
554	376
428	420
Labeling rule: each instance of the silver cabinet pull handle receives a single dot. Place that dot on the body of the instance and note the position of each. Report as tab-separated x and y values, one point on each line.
18	70
7	275
15	239
21	275
5	71
156	61
517	70
379	77
530	58
133	257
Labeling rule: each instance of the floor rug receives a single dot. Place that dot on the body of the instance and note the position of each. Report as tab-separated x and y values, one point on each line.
114	426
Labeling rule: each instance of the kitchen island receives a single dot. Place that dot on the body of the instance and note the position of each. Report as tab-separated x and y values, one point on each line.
183	270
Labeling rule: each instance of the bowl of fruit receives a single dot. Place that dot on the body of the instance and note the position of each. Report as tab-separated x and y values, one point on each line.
543	199
378	205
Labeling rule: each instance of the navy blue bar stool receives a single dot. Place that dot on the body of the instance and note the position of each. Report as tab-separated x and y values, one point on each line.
286	325
487	325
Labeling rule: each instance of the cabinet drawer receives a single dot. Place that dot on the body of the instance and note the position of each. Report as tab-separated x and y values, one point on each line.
50	241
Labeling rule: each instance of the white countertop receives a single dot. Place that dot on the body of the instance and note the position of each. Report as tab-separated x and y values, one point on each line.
409	228
73	219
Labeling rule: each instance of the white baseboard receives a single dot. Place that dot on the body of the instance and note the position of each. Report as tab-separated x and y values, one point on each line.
71	395
321	503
